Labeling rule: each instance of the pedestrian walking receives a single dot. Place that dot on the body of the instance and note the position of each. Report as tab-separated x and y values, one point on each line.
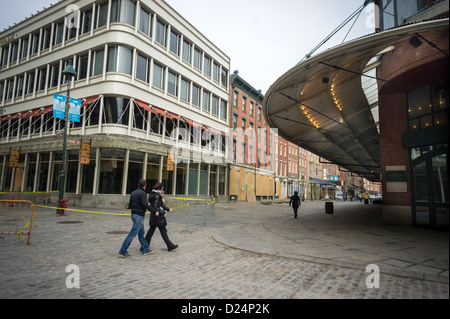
295	201
158	214
139	206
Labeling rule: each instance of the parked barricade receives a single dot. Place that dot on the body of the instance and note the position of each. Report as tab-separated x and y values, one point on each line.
196	214
16	217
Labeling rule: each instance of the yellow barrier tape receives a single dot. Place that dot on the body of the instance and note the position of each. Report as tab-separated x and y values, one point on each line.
207	201
18	193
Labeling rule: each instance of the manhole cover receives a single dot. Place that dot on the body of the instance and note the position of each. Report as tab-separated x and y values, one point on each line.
70	222
117	232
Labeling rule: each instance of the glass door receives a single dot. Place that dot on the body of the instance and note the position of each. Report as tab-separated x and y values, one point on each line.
430	188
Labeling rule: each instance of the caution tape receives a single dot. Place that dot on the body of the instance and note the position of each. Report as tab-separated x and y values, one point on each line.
18	193
207	201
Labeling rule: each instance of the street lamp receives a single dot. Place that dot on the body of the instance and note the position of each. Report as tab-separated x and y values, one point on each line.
69	72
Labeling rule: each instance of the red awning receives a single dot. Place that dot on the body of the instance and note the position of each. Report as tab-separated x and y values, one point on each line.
144	105
89	100
189	121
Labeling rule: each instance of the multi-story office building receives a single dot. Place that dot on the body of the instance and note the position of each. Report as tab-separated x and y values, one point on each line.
150	84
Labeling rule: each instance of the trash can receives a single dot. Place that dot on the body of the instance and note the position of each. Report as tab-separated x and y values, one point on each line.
329	207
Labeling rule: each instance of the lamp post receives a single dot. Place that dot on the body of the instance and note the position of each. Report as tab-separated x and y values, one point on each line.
69	72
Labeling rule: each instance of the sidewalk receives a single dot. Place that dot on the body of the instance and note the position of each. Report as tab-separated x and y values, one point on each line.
353	236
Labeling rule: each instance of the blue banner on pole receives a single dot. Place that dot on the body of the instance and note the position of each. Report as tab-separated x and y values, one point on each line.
59	108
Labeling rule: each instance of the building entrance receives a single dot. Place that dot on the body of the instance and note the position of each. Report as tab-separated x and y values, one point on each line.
429	180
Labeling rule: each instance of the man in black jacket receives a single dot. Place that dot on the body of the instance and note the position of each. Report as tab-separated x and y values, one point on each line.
139	206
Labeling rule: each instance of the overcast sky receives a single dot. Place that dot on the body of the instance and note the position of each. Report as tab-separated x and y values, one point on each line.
263	38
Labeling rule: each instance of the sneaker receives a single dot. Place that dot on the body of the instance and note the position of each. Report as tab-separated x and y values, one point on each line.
125	255
173	248
149	252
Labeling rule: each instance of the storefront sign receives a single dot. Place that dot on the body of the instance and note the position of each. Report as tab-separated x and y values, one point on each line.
14	158
170	162
85	153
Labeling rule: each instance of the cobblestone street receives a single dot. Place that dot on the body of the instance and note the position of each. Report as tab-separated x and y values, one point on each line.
203	267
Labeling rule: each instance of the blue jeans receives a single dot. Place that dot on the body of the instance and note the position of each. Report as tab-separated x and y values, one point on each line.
137	229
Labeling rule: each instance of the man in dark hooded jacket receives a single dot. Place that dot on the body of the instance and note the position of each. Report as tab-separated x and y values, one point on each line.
139	205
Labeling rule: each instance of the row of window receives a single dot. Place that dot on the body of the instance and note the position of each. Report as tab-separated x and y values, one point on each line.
122	11
118	59
41	173
116	110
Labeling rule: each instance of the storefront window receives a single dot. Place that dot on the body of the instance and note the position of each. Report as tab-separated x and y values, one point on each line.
72	171
88	173
167	177
193	173
43	172
135	164
152	177
111	171
181	179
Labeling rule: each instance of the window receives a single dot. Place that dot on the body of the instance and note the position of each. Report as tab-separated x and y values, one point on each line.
235	120
215	105
223	109
195	95
224	78
4	57
54	74
207	66
235	99
46	34
116	110
34	43
42	78
252	107
158	77
185	90
215	72
119	60
145	22
82	67
244	104
206	102
97	62
29	88
172	84
58	33
111	170
141	68
175	42
102	14
187	51
161	30
123	11
19	86
86	21
197	59
24	49
428	106
14	51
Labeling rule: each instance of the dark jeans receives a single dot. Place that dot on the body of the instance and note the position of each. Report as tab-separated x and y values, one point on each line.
163	231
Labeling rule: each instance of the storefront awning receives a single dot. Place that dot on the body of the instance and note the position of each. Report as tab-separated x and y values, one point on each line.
321	106
313	180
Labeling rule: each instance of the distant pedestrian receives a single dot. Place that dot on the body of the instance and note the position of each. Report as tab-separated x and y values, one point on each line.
295	201
158	214
139	205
